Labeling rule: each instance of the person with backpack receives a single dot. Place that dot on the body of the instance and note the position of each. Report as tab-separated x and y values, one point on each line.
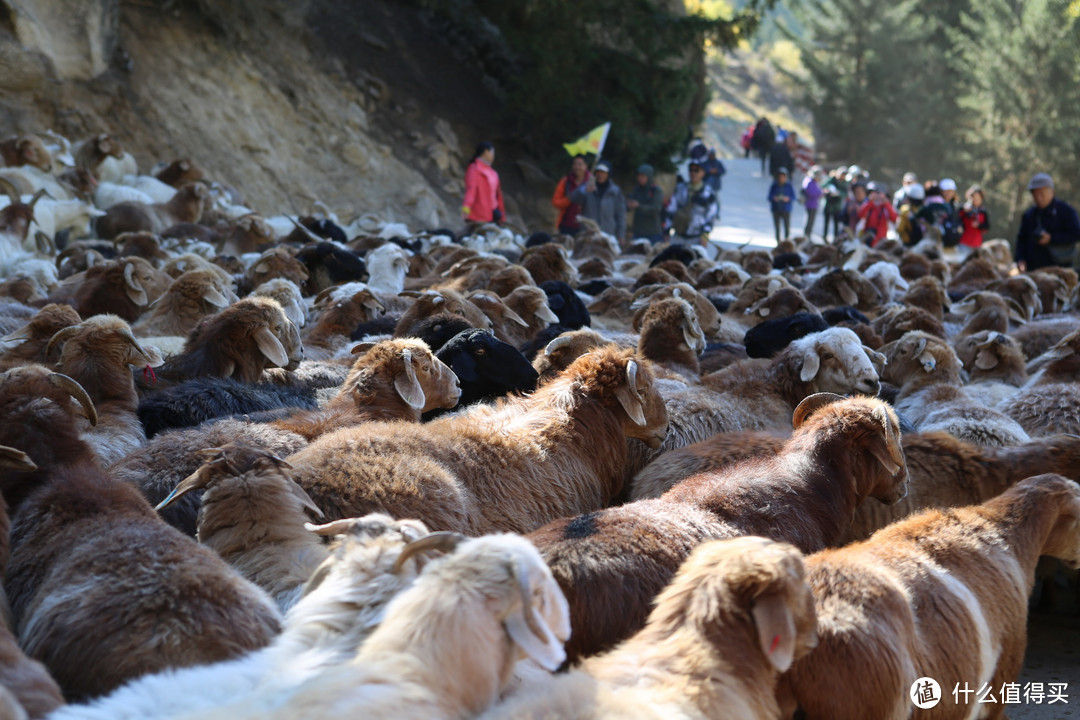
836	192
647	203
781	195
762	140
909	227
974	219
693	208
877	213
938	215
568	210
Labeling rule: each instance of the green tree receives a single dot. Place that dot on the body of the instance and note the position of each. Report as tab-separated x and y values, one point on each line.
570	66
1020	109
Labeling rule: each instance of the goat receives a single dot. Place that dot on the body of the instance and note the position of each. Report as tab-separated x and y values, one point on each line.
842	452
101	589
940	594
34	337
453	473
180	172
736	614
25	150
186	206
124	288
191	297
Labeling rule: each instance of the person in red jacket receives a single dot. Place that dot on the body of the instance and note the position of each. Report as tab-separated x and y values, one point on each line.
878	213
569	211
975	219
483	196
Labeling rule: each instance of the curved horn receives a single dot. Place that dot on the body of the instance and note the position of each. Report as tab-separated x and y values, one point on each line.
442	540
76	391
311	236
810	405
10	190
37	196
130	339
62	335
559	342
631	380
16	459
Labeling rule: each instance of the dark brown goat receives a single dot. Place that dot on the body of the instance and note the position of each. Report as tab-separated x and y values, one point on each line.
180	172
671	337
34	337
185	207
25	150
622	557
93	152
101	589
124	288
239	342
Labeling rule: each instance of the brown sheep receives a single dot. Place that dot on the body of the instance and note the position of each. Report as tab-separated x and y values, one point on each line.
844	287
611	308
186	206
180	172
191	297
708	317
985	311
141	244
510	467
93	152
239	342
102	591
1020	292
248	234
940	594
278	262
564	350
784	302
25	150
1054	290
973	275
734	616
757	262
502	319
440	301
508	279
654	276
928	293
755	289
1038	336
34	337
549	262
252	515
842	452
1050	402
125	288
15	218
671	337
341	310
995	366
530	303
897	321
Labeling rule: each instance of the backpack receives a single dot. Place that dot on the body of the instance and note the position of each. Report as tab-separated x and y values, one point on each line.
950	231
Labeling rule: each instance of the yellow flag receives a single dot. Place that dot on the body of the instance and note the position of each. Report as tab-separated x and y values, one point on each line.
591	142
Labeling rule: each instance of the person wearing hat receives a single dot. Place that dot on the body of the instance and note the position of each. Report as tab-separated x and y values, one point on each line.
781	195
1049	229
693	208
714	170
647	203
939	215
783	154
602	202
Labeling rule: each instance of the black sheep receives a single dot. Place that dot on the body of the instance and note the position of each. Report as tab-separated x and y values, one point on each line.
770	337
195	401
842	314
677	251
328	265
565	303
437	330
486	367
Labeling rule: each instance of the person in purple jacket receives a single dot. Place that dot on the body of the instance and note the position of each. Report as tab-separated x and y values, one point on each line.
811	195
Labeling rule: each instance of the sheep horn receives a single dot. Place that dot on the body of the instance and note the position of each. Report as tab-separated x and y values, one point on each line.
37	196
443	541
195	481
335	527
62	335
311	236
559	342
812	404
76	391
129	337
10	190
631	380
13	459
305	500
44	243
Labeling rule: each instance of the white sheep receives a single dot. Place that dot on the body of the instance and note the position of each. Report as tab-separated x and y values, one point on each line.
387	266
158	191
108	194
886	277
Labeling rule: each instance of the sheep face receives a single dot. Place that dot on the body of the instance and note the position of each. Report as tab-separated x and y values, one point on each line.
565	349
387	267
646	414
986	350
917	355
485	366
32	152
275	263
836	361
1063	541
420	379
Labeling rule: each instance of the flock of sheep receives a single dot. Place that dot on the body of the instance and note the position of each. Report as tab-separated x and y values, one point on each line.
259	466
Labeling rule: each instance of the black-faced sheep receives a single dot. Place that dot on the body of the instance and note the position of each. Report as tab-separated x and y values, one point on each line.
565	303
102	590
768	338
514	466
733	618
486	367
940	594
841	453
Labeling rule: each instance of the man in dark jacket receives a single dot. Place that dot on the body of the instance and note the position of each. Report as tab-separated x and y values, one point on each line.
647	202
783	154
1049	230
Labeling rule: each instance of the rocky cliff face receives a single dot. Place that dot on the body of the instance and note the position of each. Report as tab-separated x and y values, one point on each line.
360	106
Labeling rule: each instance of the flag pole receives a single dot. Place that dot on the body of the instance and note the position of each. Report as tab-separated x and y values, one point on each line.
600	147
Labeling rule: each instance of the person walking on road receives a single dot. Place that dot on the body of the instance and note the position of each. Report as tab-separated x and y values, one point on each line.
714	171
602	201
811	194
483	196
783	154
1049	229
781	195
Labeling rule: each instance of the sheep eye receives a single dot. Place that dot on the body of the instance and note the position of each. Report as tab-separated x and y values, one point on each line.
480	351
826	356
427	368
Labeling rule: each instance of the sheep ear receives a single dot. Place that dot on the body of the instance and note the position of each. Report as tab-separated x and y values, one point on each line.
875	357
407	386
629	397
986	360
811	365
775	629
305	500
213	296
271	347
132	286
1015	312
849	296
361	348
514	317
529	629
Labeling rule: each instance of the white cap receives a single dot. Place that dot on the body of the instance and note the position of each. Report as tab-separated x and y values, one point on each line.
947	184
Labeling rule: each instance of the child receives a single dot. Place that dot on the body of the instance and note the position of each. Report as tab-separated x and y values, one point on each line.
878	213
781	194
975	220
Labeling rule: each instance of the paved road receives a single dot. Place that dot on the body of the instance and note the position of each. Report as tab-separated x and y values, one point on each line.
744	212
